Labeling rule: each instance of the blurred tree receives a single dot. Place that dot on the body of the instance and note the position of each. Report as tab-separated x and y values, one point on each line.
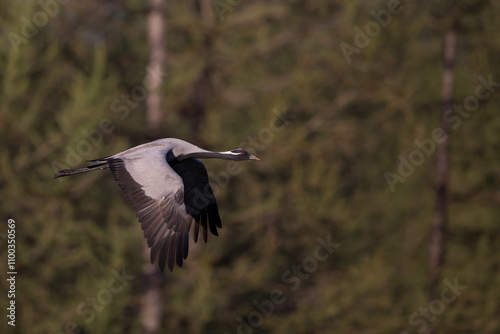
438	226
151	301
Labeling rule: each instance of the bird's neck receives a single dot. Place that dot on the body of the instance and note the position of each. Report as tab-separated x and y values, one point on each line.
208	155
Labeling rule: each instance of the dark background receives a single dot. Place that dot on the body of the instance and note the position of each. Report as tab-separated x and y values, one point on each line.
361	87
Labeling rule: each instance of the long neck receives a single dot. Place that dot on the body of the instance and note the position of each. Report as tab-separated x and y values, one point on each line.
228	155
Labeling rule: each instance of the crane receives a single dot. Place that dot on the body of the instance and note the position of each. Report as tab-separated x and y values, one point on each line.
168	188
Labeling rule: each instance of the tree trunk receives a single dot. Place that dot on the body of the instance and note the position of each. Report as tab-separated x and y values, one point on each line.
438	227
151	305
156	39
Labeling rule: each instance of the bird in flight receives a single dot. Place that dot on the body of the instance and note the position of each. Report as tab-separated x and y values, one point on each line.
169	190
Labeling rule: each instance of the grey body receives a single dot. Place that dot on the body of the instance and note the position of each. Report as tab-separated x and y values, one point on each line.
169	190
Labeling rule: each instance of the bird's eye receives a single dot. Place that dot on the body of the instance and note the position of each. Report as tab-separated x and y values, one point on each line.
242	152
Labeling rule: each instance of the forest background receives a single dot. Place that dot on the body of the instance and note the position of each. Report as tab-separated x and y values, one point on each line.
375	208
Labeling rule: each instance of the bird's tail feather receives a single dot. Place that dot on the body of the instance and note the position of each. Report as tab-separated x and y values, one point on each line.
92	166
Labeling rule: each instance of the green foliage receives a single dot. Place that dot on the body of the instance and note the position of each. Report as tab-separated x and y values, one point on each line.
321	174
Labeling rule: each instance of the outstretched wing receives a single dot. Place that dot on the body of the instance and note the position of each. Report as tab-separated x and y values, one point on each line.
199	198
156	192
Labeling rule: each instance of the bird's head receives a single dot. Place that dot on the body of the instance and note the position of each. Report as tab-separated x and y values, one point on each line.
241	154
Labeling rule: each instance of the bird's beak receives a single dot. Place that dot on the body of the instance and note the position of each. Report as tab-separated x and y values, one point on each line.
253	157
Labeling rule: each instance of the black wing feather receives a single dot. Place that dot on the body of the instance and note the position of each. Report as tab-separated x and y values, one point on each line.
199	198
